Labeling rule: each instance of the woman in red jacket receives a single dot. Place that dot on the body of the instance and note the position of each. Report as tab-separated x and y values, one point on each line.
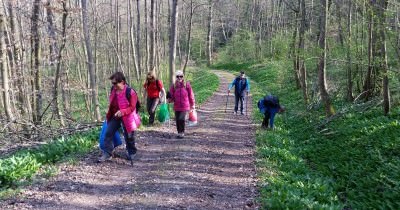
181	94
121	110
153	88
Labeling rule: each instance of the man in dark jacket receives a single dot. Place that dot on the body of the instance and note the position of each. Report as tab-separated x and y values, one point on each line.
269	106
242	86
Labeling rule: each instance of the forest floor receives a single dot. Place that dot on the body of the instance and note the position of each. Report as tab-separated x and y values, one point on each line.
213	167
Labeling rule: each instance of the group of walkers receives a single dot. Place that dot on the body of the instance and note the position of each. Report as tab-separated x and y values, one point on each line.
124	105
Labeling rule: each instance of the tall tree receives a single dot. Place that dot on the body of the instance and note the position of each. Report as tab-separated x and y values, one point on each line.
322	59
301	50
382	63
209	32
139	57
58	74
92	75
152	37
4	69
349	95
35	62
23	105
172	41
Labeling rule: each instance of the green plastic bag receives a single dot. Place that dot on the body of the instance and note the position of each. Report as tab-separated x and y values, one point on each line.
163	113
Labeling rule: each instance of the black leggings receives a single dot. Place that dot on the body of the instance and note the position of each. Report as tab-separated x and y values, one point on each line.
112	126
151	108
180	121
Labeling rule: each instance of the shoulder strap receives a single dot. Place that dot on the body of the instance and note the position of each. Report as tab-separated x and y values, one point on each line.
158	87
128	93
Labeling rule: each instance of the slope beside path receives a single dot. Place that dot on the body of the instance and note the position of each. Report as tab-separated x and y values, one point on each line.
213	167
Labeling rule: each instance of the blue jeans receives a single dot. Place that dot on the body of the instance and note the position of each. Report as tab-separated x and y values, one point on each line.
269	117
112	126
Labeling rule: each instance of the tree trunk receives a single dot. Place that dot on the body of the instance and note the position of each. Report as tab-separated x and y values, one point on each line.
146	37
23	106
132	42
189	36
139	57
295	55
209	32
339	21
152	29
173	37
368	79
93	88
381	7
322	60
58	67
349	68
301	51
35	62
4	70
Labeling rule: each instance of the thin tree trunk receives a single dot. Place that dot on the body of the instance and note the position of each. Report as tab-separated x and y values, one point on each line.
339	21
146	37
209	32
381	7
301	51
152	29
132	43
173	37
92	75
23	106
35	62
349	61
189	36
4	70
322	60
139	57
368	79
58	62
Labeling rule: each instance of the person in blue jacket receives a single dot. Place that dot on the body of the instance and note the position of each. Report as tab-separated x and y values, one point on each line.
242	87
269	106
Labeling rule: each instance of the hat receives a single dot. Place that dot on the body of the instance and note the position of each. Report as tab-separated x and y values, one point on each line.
179	73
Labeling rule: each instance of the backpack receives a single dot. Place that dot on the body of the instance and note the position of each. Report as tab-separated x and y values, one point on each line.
128	96
271	100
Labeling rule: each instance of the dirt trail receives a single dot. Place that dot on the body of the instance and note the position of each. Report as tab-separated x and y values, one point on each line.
213	167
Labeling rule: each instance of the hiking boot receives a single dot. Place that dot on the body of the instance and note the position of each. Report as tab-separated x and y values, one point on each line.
104	157
131	156
241	113
181	135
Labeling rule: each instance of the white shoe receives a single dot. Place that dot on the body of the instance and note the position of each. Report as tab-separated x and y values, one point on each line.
104	157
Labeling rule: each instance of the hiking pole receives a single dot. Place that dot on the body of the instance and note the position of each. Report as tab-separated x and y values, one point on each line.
247	97
226	105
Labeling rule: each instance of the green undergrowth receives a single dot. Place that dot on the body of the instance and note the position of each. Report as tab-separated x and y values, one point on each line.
19	169
351	161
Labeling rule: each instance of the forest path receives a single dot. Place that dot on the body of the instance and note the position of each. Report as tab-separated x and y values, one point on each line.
213	167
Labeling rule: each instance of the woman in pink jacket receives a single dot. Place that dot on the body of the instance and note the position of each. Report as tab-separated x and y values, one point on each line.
181	94
121	111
